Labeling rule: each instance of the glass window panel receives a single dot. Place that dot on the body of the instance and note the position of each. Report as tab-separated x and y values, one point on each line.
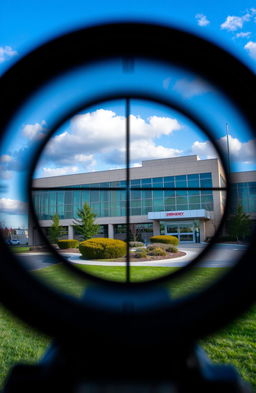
169	179
205	183
207	175
181	192
252	205
194	206
135	194
170	200
136	203
157	180
186	238
193	183
85	197
135	211
181	178
194	199
169	193
181	200
68	197
182	207
145	210
172	229
146	194
206	198
170	207
95	196
104	196
158	194
135	182
158	204
193	177
147	202
185	229
146	181
115	210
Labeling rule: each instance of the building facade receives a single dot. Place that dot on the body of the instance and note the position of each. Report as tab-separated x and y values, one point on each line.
191	215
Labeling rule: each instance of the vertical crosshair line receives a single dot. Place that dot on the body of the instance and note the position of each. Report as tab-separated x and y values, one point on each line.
127	115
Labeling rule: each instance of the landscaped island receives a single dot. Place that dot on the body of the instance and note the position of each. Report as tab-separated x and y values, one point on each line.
160	247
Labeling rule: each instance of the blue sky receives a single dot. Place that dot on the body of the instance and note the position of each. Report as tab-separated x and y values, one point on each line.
157	132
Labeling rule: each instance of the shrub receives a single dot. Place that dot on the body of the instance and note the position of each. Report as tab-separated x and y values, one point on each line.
171	248
102	248
140	249
68	243
141	254
158	252
136	244
168	239
155	245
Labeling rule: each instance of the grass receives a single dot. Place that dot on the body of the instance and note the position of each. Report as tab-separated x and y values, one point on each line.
19	250
233	345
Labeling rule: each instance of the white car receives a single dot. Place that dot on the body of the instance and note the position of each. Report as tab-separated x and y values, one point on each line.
14	242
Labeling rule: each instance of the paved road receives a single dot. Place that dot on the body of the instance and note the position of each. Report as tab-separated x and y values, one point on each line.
221	256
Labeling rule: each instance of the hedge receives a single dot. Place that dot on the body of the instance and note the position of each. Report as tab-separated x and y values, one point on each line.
168	239
68	243
99	247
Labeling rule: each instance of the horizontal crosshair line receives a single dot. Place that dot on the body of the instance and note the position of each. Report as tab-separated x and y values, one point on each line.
67	188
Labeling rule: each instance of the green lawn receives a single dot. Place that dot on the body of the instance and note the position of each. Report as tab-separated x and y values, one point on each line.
20	249
234	345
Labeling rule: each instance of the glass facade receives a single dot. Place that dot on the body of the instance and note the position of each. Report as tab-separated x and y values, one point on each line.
112	203
244	195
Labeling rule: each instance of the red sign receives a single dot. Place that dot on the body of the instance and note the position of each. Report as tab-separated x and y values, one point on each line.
171	214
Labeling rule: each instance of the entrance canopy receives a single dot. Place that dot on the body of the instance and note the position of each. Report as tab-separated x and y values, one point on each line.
179	214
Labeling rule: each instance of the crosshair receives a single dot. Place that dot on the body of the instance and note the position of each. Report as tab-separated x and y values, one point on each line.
128	187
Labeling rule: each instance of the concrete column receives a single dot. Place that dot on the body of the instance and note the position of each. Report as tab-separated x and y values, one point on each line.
156	228
202	231
70	232
111	231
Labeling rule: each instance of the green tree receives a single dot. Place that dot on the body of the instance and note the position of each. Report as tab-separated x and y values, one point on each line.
56	230
239	224
85	225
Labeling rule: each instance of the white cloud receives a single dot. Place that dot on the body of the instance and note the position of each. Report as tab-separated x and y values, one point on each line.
204	149
233	23
12	206
243	34
34	131
239	151
6	52
60	171
148	150
202	20
102	133
190	88
251	48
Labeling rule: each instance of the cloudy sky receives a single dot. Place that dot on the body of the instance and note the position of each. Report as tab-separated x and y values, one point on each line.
94	139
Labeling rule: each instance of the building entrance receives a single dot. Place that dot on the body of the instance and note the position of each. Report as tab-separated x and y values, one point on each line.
186	232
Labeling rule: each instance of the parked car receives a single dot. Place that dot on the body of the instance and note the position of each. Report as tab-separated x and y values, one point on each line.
14	242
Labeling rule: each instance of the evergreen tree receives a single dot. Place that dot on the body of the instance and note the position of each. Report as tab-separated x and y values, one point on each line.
239	224
56	230
85	224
